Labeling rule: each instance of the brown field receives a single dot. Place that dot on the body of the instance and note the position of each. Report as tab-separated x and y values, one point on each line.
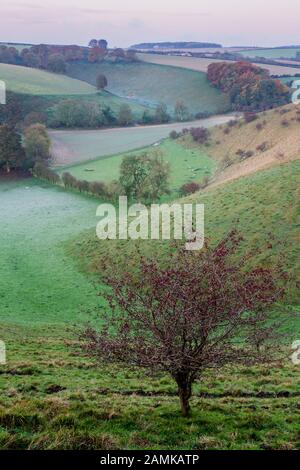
201	65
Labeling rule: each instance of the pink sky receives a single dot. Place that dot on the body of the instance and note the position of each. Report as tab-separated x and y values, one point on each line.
230	22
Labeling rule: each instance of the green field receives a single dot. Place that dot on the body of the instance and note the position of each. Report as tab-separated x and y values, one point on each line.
55	398
150	84
277	53
75	146
185	165
38	82
19	47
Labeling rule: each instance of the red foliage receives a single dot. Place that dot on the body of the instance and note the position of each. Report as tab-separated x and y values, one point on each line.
203	310
190	188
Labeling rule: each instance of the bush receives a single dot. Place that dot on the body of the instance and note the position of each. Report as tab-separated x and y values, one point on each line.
189	188
41	171
125	116
250	117
200	134
262	147
101	82
174	135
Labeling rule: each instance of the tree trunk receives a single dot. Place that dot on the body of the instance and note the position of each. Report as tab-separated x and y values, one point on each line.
184	383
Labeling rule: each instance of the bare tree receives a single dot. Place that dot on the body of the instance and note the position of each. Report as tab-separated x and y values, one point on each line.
200	311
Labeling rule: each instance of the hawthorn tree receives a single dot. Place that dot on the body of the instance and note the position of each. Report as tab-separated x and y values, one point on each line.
144	177
12	155
201	310
101	81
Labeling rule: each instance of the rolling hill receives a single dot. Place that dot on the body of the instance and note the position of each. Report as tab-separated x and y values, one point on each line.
30	81
150	84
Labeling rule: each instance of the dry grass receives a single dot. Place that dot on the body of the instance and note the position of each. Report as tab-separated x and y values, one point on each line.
271	143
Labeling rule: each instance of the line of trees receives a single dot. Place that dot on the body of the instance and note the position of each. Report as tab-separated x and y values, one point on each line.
55	57
18	155
249	87
142	177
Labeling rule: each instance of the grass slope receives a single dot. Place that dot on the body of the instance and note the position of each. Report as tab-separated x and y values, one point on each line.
277	131
56	399
276	53
150	84
37	283
185	164
38	82
265	204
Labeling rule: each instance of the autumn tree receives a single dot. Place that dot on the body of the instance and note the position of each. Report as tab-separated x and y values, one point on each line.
125	116
11	151
161	113
96	54
93	43
199	311
57	63
249	87
101	82
144	176
37	143
102	43
181	111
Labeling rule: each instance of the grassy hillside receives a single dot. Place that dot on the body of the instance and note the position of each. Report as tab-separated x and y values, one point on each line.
286	53
150	84
185	164
272	138
38	82
265	204
55	398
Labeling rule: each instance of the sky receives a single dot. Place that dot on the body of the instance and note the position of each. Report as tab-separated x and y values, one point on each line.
125	22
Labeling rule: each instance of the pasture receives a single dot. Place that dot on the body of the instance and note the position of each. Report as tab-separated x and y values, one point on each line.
56	398
201	65
30	81
17	46
71	147
185	165
149	84
272	53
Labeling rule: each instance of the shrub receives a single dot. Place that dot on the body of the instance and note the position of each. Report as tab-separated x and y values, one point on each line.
250	117
174	135
199	134
262	147
189	188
